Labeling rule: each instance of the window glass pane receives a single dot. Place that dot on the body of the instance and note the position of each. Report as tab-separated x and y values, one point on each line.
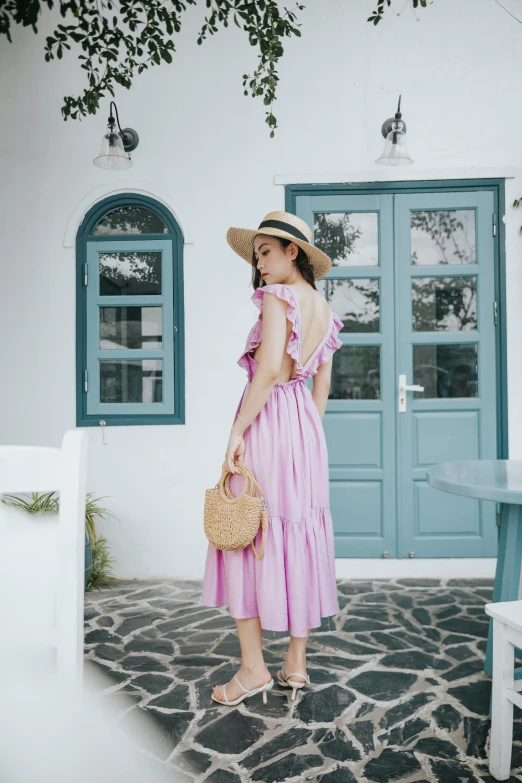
356	371
130	327
130	220
446	370
444	304
356	302
128	380
130	274
348	238
443	237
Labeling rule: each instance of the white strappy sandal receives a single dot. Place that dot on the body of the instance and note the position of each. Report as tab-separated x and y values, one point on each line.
284	682
262	689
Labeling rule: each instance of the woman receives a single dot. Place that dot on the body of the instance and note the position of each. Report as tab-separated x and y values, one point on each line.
278	434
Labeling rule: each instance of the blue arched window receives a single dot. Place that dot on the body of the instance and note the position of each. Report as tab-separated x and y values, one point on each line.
130	346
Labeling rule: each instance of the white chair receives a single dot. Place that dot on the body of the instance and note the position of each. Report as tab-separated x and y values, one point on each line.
42	558
75	733
507	634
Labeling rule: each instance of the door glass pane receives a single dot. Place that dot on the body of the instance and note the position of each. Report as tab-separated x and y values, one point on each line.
356	302
356	372
348	238
444	304
130	220
130	274
446	370
443	237
130	327
128	380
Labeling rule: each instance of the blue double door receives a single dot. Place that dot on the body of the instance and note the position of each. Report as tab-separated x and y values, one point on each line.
415	382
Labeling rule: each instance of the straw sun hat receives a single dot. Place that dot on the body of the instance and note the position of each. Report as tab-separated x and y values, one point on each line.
287	226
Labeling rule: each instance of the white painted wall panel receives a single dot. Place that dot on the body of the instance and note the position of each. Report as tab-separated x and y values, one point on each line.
205	151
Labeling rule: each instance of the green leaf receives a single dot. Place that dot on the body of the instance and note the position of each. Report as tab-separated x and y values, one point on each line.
138	33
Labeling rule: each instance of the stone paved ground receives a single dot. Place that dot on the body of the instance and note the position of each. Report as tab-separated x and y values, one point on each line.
398	689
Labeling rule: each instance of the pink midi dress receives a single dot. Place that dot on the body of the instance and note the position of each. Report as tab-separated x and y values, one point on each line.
293	586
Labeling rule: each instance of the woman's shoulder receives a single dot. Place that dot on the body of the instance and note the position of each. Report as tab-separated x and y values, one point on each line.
272	288
281	290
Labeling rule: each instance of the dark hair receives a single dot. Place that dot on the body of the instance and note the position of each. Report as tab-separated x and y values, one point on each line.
302	262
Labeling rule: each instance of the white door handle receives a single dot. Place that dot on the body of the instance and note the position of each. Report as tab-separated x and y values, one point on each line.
403	388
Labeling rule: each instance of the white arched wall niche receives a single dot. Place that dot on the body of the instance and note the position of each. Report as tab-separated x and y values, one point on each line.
112	189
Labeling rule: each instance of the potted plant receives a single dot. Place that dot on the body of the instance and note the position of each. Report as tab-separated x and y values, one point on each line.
97	558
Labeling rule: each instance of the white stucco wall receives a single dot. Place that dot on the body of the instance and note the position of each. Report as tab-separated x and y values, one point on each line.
205	151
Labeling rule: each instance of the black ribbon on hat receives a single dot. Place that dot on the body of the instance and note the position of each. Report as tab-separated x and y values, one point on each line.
284	227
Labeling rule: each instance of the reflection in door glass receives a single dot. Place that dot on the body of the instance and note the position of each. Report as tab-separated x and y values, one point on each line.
355	300
356	372
129	274
445	370
443	237
131	219
348	238
444	304
130	327
131	380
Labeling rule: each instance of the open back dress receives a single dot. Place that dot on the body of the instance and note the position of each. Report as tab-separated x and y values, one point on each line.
293	586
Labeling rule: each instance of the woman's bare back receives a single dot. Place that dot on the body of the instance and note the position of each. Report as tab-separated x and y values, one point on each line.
315	321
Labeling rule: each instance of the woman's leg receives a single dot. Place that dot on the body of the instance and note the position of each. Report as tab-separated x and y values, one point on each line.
253	672
295	660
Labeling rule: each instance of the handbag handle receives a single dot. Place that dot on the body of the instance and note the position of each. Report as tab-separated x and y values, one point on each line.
246	471
248	486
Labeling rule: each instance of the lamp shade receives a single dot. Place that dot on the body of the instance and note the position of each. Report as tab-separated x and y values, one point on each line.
395	152
112	153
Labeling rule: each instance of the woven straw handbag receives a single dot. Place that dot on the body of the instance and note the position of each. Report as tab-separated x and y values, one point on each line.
232	522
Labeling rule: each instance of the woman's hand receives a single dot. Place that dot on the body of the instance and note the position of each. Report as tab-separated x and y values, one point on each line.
235	451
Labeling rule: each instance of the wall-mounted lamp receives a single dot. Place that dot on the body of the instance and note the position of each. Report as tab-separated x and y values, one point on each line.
115	147
394	131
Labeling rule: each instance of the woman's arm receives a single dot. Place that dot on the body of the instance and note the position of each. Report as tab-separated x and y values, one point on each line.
321	386
270	356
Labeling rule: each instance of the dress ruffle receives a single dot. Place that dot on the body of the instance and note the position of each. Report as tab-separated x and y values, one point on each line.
327	349
294	585
254	338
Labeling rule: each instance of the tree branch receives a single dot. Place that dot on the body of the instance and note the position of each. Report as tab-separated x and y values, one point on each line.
509	12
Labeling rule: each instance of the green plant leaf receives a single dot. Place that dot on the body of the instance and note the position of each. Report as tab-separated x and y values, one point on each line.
48	503
120	46
101	571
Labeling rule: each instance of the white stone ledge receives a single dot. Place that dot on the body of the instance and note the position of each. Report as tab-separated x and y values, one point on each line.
401	174
416	568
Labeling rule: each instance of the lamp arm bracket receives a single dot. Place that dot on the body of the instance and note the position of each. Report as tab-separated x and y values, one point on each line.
387	126
130	139
129	136
111	118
